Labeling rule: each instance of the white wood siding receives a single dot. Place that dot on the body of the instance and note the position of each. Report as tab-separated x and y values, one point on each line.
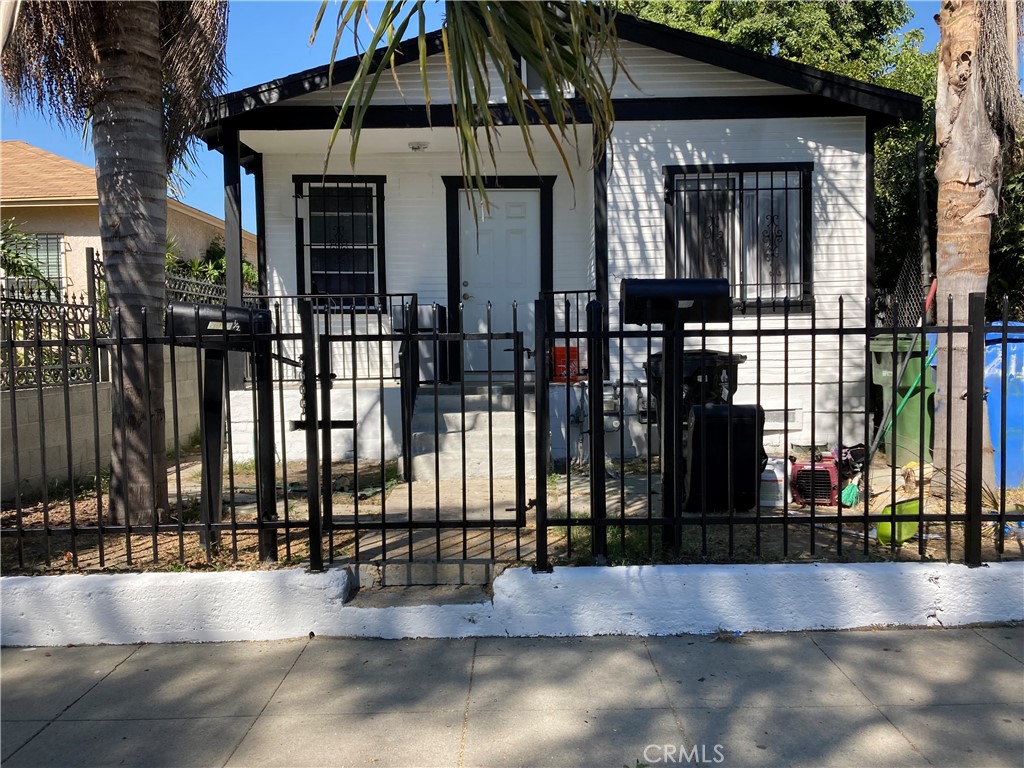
636	248
657	74
415	213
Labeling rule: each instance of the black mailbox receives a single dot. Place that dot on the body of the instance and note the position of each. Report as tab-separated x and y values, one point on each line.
218	330
215	326
686	300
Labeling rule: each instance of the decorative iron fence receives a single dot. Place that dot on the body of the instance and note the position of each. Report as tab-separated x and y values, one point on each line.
40	340
189	290
771	435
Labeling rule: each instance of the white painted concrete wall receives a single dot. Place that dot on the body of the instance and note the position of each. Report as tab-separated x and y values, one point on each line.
630	600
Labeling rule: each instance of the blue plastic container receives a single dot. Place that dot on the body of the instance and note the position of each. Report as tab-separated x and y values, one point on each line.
1012	451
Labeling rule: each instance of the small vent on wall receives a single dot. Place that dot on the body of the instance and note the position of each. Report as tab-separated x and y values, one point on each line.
778	419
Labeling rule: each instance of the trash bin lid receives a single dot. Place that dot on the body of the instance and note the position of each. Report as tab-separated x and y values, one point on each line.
904	343
713	357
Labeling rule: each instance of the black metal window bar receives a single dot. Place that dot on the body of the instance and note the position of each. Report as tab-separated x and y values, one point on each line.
341	243
749	224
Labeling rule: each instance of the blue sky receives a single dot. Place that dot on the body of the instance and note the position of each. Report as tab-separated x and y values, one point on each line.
267	40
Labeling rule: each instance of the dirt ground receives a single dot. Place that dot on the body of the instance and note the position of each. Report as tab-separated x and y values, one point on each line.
37	538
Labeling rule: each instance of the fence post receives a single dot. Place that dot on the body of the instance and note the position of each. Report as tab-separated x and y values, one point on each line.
543	431
90	275
595	415
309	393
975	425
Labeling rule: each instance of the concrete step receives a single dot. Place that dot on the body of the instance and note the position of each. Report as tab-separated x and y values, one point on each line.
453	403
472	421
476	466
375	576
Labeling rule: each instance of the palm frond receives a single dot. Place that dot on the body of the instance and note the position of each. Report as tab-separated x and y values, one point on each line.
51	63
487	47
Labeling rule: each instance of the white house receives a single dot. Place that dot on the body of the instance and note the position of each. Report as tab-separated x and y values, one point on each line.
722	163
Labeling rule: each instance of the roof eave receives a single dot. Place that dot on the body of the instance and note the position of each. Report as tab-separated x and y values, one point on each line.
887	104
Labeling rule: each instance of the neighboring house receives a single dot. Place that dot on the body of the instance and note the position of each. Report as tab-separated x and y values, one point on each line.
723	162
55	199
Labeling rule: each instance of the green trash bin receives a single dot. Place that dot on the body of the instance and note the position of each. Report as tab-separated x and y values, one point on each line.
902	443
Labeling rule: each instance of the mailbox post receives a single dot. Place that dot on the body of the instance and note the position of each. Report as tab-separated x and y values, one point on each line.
671	304
217	330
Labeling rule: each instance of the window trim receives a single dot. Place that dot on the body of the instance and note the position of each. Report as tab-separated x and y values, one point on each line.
302	184
806	170
59	282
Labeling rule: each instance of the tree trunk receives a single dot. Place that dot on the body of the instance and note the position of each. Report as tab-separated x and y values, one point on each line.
969	175
131	178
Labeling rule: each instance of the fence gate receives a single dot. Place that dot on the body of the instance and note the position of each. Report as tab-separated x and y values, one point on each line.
408	468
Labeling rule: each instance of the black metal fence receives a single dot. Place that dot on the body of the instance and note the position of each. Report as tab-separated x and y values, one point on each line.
375	428
680	445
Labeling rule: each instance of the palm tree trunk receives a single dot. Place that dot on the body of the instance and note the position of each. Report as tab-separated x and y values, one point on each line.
127	131
969	175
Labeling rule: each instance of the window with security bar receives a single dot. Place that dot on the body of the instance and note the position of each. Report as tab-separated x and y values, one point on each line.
344	238
47	255
750	224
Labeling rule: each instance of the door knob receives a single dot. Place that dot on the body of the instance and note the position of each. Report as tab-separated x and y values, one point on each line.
466	297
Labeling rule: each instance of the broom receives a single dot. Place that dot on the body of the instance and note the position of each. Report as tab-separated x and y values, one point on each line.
851	493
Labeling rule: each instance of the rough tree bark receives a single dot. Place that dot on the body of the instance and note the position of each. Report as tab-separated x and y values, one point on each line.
969	176
127	130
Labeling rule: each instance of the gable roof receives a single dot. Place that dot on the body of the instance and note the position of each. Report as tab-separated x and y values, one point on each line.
33	174
30	176
886	104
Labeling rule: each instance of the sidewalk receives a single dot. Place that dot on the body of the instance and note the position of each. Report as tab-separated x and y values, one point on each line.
868	698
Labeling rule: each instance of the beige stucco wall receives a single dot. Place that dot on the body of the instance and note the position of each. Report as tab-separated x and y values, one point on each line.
80	227
194	235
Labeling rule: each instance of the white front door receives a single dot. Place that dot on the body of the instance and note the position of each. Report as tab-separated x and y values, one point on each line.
500	264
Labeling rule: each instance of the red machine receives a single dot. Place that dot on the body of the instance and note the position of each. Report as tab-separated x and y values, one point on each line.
818	480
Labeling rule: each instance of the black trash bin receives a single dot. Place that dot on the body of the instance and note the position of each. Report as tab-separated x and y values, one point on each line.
723	472
708	376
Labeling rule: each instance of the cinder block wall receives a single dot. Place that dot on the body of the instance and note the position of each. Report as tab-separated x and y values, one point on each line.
42	442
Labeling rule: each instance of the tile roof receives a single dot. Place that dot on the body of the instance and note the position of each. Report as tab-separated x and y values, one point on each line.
30	173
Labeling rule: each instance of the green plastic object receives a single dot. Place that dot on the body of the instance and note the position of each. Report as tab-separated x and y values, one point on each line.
905	529
902	444
850	495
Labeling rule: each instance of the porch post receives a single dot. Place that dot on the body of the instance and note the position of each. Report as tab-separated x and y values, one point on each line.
261	228
233	242
600	173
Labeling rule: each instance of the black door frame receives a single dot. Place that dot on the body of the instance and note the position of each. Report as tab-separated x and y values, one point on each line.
453	186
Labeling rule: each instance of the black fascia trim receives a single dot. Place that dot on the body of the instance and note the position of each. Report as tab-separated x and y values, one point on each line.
806	169
453	185
293	118
311	80
873	98
731	108
886	101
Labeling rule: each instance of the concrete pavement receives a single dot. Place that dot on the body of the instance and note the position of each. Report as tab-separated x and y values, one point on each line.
886	697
